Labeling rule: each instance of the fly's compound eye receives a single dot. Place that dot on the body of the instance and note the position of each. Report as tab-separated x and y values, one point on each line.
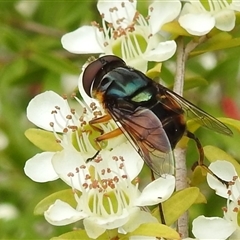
94	68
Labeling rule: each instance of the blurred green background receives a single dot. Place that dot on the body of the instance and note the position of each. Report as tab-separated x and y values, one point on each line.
32	60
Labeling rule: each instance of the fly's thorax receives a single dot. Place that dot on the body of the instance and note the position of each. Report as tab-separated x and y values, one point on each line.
125	82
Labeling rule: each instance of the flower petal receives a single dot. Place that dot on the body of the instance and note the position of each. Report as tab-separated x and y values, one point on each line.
111	221
66	162
161	52
231	215
61	213
157	191
39	111
161	12
138	237
224	170
84	40
137	217
115	10
212	228
138	63
225	20
235	235
235	5
40	169
197	23
133	162
93	229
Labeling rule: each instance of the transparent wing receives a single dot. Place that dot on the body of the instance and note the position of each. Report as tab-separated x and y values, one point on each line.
148	135
195	113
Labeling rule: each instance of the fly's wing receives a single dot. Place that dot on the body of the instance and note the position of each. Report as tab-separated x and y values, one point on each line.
146	131
196	114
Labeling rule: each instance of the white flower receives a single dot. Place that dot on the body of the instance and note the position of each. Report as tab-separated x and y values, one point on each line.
108	198
215	228
226	171
126	33
52	112
200	17
205	228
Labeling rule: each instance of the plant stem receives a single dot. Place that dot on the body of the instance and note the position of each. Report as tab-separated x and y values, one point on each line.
180	153
180	68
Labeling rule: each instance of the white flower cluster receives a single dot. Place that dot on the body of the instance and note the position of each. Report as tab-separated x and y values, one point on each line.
109	199
126	33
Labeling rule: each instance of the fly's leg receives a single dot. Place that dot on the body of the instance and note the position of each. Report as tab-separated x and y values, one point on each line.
91	158
201	157
114	133
160	206
106	136
98	120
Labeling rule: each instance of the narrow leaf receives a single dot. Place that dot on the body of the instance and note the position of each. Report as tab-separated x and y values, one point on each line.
74	235
193	82
155	71
193	125
213	154
174	28
219	41
64	195
13	71
54	63
232	122
44	140
200	199
238	218
153	230
179	203
198	176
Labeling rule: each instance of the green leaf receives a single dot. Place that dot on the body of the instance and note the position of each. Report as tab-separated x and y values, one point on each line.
198	176
200	199
219	41
192	126
12	38
193	82
74	235
81	234
213	154
179	203
175	28
64	195
44	140
154	230
232	122
155	71
13	71
238	218
54	63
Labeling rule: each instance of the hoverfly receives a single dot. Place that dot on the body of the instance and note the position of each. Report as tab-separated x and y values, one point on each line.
151	116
